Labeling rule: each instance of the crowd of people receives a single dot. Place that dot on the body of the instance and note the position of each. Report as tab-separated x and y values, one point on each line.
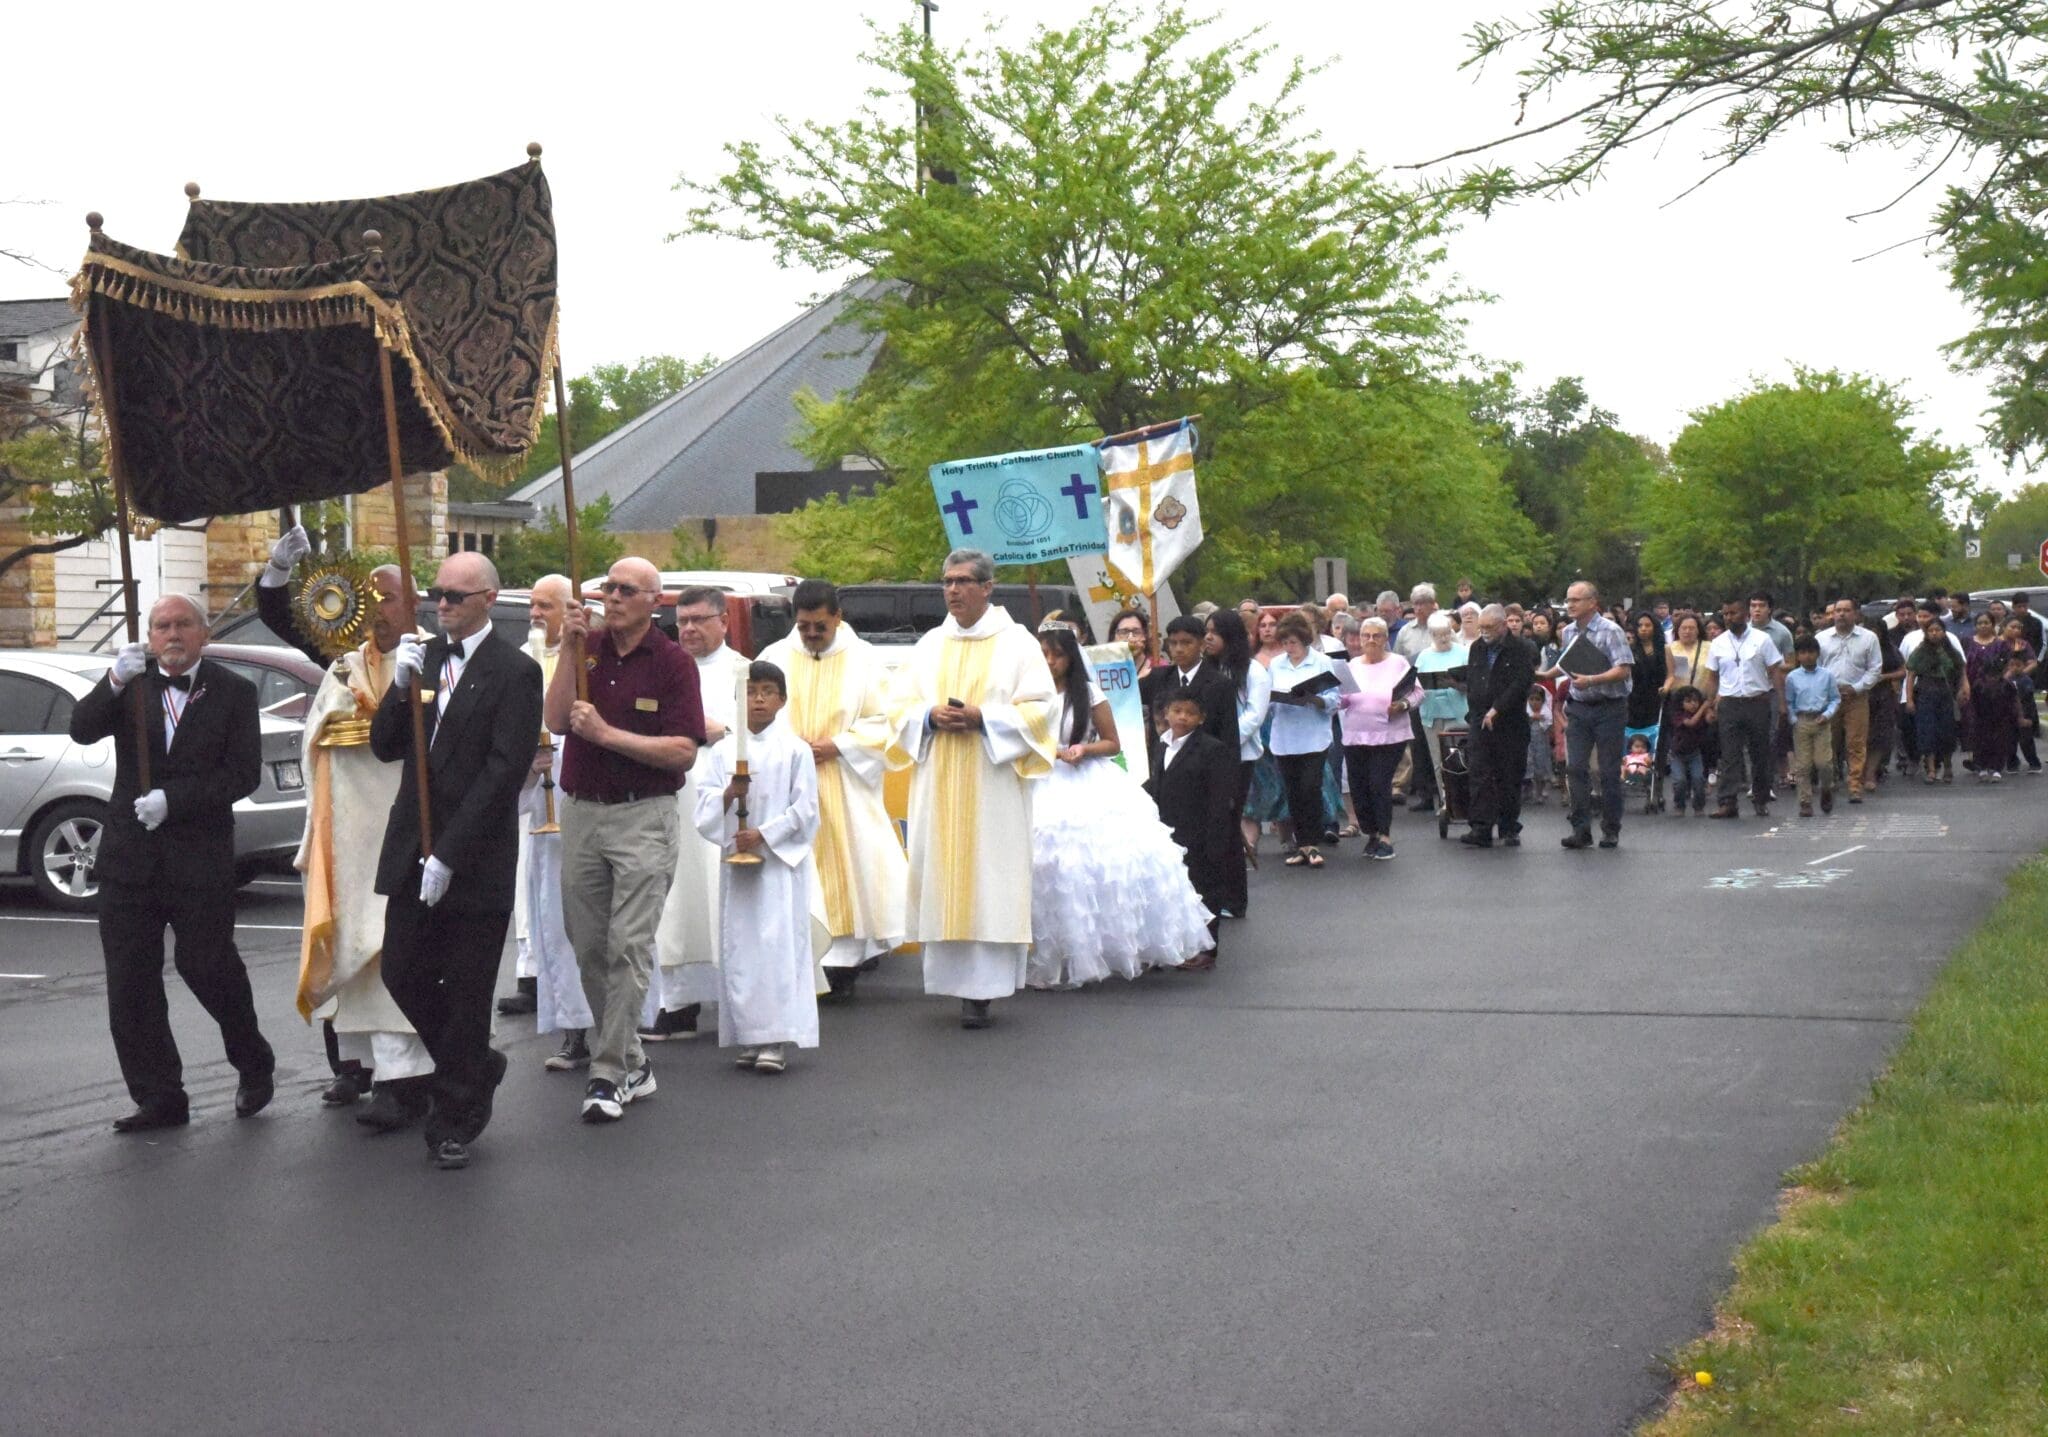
663	823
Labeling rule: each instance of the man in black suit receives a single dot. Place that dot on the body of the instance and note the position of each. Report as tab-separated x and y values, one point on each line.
1190	672
446	914
1499	670
1194	782
167	858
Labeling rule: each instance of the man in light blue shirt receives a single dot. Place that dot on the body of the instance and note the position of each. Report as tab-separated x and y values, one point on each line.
1851	653
1811	697
1595	715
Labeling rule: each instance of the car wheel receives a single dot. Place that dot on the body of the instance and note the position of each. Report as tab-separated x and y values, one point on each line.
64	852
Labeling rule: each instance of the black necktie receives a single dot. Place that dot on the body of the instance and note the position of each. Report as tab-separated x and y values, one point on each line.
177	681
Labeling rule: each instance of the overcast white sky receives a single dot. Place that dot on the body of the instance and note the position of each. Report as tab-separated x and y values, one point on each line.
1661	310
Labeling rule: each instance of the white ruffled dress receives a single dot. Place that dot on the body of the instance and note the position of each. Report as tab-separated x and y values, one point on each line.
1109	886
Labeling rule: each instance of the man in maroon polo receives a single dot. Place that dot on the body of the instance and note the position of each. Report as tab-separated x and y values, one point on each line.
627	748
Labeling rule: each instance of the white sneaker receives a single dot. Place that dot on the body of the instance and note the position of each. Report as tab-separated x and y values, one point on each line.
770	1060
746	1058
602	1103
639	1083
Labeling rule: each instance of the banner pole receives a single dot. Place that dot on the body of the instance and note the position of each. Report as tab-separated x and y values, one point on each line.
103	375
375	242
569	515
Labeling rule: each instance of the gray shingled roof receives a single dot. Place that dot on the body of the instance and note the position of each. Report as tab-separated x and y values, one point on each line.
25	318
697	452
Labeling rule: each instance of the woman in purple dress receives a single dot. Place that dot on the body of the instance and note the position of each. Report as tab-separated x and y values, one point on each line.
1994	702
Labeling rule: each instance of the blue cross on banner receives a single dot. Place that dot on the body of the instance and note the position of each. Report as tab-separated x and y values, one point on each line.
1027	508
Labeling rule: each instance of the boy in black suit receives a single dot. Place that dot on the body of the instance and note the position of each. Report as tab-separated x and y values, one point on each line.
1191	673
1194	782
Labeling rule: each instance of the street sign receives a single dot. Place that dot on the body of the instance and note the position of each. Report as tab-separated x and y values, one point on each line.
2013	561
2044	556
1973	548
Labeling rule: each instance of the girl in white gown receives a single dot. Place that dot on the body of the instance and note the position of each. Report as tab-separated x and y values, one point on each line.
1109	888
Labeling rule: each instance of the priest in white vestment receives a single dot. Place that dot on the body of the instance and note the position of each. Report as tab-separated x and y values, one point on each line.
545	602
767	991
686	940
969	710
349	797
839	708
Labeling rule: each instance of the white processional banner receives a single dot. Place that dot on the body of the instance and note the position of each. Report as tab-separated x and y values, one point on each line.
1153	518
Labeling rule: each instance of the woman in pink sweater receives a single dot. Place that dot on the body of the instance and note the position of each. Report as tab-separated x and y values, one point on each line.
1377	730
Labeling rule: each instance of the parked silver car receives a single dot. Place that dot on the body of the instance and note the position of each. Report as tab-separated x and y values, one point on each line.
53	792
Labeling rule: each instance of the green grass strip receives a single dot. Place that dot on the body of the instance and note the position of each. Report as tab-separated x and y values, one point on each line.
1904	1287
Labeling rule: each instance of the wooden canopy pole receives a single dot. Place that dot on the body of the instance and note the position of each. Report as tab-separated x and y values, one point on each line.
131	595
564	448
375	242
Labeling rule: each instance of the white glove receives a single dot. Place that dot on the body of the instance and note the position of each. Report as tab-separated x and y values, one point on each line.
434	881
129	663
291	546
409	658
152	809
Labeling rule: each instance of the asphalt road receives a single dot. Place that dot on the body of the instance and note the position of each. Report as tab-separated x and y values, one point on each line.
1457	1144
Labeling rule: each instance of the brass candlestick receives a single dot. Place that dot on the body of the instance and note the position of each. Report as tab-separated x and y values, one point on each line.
547	788
739	773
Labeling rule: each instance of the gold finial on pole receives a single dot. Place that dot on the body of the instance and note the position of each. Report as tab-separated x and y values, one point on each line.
192	191
94	220
533	149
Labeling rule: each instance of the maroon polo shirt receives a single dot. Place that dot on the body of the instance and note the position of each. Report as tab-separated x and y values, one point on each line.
651	691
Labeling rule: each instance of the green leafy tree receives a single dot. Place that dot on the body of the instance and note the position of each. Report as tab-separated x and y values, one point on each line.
1958	83
1812	488
607	398
1139	227
1577	476
543	547
2015	524
52	466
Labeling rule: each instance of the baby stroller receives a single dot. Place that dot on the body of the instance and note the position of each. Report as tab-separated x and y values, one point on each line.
1648	784
1453	779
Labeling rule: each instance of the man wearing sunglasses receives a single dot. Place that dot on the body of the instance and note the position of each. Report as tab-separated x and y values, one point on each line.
628	745
446	912
686	941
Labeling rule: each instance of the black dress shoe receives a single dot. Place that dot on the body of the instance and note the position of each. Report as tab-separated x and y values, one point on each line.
252	1095
974	1013
348	1086
1577	838
449	1154
391	1109
143	1120
1473	838
494	1074
1511	840
525	1000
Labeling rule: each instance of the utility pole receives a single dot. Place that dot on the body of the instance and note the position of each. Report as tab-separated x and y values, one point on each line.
928	6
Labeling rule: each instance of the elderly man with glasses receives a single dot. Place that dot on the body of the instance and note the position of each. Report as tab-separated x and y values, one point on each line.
629	744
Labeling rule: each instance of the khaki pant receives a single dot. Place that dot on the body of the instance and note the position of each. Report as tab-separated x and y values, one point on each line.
1813	751
617	861
1851	727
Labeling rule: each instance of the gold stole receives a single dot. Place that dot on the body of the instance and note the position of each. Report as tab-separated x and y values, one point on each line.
814	716
367	681
957	759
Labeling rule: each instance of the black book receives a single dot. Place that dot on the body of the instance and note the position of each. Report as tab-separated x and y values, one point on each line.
1309	689
1442	678
1584	657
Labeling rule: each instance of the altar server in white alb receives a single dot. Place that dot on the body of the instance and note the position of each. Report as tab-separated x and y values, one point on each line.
969	709
767	989
839	708
546	602
686	942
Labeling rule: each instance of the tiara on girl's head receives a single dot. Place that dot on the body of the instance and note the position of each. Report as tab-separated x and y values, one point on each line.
1053	623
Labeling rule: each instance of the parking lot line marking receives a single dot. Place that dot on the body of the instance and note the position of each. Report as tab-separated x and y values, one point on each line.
47	918
30	976
1843	854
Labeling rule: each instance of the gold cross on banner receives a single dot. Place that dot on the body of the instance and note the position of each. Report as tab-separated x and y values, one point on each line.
1142	479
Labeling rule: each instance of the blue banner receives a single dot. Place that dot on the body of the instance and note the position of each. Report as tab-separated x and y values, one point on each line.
1029	508
1116	673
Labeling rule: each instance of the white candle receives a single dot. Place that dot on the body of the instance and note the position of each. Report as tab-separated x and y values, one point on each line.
739	701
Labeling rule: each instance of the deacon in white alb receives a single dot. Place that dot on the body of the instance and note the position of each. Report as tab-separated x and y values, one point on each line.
349	798
969	709
686	942
838	706
767	989
546	601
